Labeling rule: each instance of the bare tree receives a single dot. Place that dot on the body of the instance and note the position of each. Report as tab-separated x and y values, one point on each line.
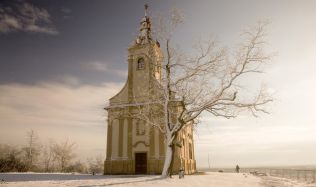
47	157
96	164
77	166
210	82
32	149
11	159
63	153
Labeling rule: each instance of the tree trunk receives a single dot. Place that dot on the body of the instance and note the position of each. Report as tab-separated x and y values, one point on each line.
167	168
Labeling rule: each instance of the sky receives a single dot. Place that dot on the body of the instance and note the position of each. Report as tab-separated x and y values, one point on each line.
60	62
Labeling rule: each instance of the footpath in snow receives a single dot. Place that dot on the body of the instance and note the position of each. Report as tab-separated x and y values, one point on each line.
213	179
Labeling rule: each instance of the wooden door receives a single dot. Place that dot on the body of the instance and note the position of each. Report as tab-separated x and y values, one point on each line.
140	163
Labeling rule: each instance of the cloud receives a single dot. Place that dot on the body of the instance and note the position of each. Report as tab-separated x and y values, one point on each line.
103	67
70	80
97	66
58	111
49	102
25	17
66	10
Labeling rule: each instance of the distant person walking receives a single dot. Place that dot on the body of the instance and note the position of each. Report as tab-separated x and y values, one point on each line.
237	168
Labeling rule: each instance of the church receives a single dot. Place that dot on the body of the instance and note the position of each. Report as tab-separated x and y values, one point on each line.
134	145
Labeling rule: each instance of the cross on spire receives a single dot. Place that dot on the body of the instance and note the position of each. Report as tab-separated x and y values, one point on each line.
146	8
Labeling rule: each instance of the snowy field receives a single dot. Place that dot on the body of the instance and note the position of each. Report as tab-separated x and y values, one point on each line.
213	179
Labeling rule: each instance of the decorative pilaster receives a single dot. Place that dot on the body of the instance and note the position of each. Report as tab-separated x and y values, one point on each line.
120	144
109	141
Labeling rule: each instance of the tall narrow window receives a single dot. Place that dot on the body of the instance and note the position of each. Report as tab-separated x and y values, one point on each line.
140	64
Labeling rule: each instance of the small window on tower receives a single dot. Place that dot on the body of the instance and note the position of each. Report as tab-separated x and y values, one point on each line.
140	64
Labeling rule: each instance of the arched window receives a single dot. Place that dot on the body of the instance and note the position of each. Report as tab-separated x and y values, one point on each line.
140	64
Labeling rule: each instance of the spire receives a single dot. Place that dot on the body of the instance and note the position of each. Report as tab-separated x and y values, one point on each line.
146	8
144	36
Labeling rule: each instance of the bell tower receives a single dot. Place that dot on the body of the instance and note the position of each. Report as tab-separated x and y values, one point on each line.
144	61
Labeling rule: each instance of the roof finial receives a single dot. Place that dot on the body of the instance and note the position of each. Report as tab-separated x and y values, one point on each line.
144	36
146	8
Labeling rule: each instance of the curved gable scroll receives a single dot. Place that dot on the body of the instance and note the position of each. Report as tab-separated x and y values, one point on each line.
141	142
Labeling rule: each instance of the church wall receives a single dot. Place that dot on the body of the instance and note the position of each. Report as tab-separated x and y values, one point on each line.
125	138
140	138
140	79
122	96
140	147
124	165
115	138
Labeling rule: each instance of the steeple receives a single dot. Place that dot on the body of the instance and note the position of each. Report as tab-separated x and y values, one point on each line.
146	8
144	36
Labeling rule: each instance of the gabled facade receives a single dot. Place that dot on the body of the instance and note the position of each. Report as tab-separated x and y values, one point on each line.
134	146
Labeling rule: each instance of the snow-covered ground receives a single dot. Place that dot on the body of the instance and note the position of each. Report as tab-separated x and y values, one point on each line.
213	179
